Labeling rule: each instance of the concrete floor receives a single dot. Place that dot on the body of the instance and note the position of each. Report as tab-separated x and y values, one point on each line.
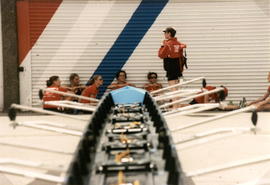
54	150
203	154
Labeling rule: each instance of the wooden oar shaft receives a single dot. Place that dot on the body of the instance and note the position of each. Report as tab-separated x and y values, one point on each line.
211	133
203	108
53	129
231	113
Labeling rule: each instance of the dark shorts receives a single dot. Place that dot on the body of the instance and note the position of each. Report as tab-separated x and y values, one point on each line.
172	68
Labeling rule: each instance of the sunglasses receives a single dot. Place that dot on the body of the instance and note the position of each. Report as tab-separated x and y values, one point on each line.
152	77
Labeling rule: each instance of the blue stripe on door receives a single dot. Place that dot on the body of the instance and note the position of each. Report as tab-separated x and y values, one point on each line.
139	23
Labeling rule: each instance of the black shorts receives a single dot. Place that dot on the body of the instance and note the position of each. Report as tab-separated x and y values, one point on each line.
172	68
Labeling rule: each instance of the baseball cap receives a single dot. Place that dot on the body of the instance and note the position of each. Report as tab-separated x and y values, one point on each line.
170	30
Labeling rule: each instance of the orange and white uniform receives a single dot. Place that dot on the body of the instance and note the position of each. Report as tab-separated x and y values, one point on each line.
212	96
171	52
171	49
90	91
49	96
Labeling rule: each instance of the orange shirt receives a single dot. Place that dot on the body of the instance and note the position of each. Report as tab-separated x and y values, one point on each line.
172	49
212	96
90	91
152	87
48	96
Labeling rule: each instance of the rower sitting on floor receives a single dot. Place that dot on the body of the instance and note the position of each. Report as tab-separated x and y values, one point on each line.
92	90
217	97
152	85
54	83
121	77
214	97
263	103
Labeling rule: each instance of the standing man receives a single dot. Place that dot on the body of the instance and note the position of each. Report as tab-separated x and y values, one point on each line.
171	52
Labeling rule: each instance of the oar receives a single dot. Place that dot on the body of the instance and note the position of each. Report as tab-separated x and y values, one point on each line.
220	136
169	95
178	93
35	148
31	164
233	164
234	131
199	109
254	119
177	85
204	83
71	104
208	120
191	97
13	107
186	108
71	95
35	175
211	133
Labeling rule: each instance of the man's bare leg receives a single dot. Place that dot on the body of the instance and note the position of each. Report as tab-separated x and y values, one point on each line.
265	107
173	82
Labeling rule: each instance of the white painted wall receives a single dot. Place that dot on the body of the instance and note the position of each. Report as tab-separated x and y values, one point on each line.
1	69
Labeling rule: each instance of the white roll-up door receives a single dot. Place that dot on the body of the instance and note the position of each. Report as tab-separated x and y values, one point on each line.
228	42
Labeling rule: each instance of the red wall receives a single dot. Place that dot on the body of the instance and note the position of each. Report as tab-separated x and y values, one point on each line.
32	18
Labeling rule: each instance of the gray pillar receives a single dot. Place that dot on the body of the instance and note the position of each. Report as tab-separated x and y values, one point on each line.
10	54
